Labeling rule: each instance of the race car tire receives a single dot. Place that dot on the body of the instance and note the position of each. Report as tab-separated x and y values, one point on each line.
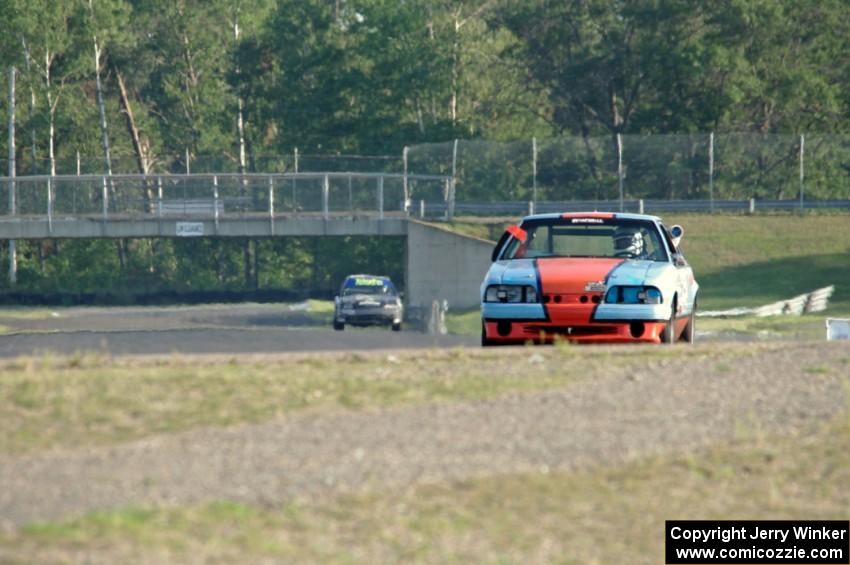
339	326
484	341
397	327
669	333
690	329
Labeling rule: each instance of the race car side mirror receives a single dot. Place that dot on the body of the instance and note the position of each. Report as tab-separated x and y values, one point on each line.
679	260
677	232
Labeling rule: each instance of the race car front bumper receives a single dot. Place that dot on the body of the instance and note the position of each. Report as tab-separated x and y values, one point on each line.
372	316
508	331
587	323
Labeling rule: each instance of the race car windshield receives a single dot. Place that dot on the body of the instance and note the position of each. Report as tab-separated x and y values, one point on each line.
588	237
369	286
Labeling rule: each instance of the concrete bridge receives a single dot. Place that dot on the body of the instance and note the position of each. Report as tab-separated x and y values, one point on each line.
440	264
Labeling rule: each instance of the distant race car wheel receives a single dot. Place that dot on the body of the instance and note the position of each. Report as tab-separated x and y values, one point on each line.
339	326
397	327
669	333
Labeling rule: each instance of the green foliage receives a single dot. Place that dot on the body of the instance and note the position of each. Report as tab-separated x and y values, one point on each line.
304	266
374	76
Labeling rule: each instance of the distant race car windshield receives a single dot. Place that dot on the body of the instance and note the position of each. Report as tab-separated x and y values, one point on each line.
588	237
374	287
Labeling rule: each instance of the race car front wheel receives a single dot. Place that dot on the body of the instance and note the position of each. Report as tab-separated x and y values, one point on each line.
484	341
690	329
669	333
339	326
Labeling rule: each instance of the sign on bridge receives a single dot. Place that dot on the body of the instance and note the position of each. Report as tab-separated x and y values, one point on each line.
190	229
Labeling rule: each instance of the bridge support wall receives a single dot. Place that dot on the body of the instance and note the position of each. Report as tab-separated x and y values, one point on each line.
444	265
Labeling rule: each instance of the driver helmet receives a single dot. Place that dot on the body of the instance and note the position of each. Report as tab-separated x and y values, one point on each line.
628	242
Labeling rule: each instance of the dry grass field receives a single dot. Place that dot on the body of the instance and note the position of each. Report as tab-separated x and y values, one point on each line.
559	454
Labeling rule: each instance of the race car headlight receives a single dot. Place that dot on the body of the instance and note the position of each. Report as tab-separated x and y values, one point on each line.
510	293
633	295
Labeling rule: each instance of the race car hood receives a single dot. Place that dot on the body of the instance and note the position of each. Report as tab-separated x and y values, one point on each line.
637	273
518	271
570	275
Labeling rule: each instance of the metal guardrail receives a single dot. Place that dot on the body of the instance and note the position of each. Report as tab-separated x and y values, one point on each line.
426	209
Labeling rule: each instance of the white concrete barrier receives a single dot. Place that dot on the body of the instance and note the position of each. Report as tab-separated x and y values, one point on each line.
815	301
837	328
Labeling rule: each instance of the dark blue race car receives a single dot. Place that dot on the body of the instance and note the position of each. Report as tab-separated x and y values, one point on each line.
368	300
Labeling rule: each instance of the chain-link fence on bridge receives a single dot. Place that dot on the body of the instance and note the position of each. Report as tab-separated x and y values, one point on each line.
219	195
186	163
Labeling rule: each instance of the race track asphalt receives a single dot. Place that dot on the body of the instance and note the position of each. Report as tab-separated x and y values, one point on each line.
226	329
220	341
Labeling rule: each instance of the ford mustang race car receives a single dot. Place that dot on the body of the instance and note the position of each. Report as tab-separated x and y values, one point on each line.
367	300
589	277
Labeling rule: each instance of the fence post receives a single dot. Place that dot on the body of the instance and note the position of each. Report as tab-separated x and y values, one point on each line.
215	201
752	206
13	252
159	196
271	204
406	187
531	207
294	196
78	163
105	199
640	206
711	171
188	168
50	205
802	153
296	159
421	208
450	200
534	169
326	187
381	197
620	169
447	189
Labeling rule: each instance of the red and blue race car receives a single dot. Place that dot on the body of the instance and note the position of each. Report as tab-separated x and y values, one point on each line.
589	277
